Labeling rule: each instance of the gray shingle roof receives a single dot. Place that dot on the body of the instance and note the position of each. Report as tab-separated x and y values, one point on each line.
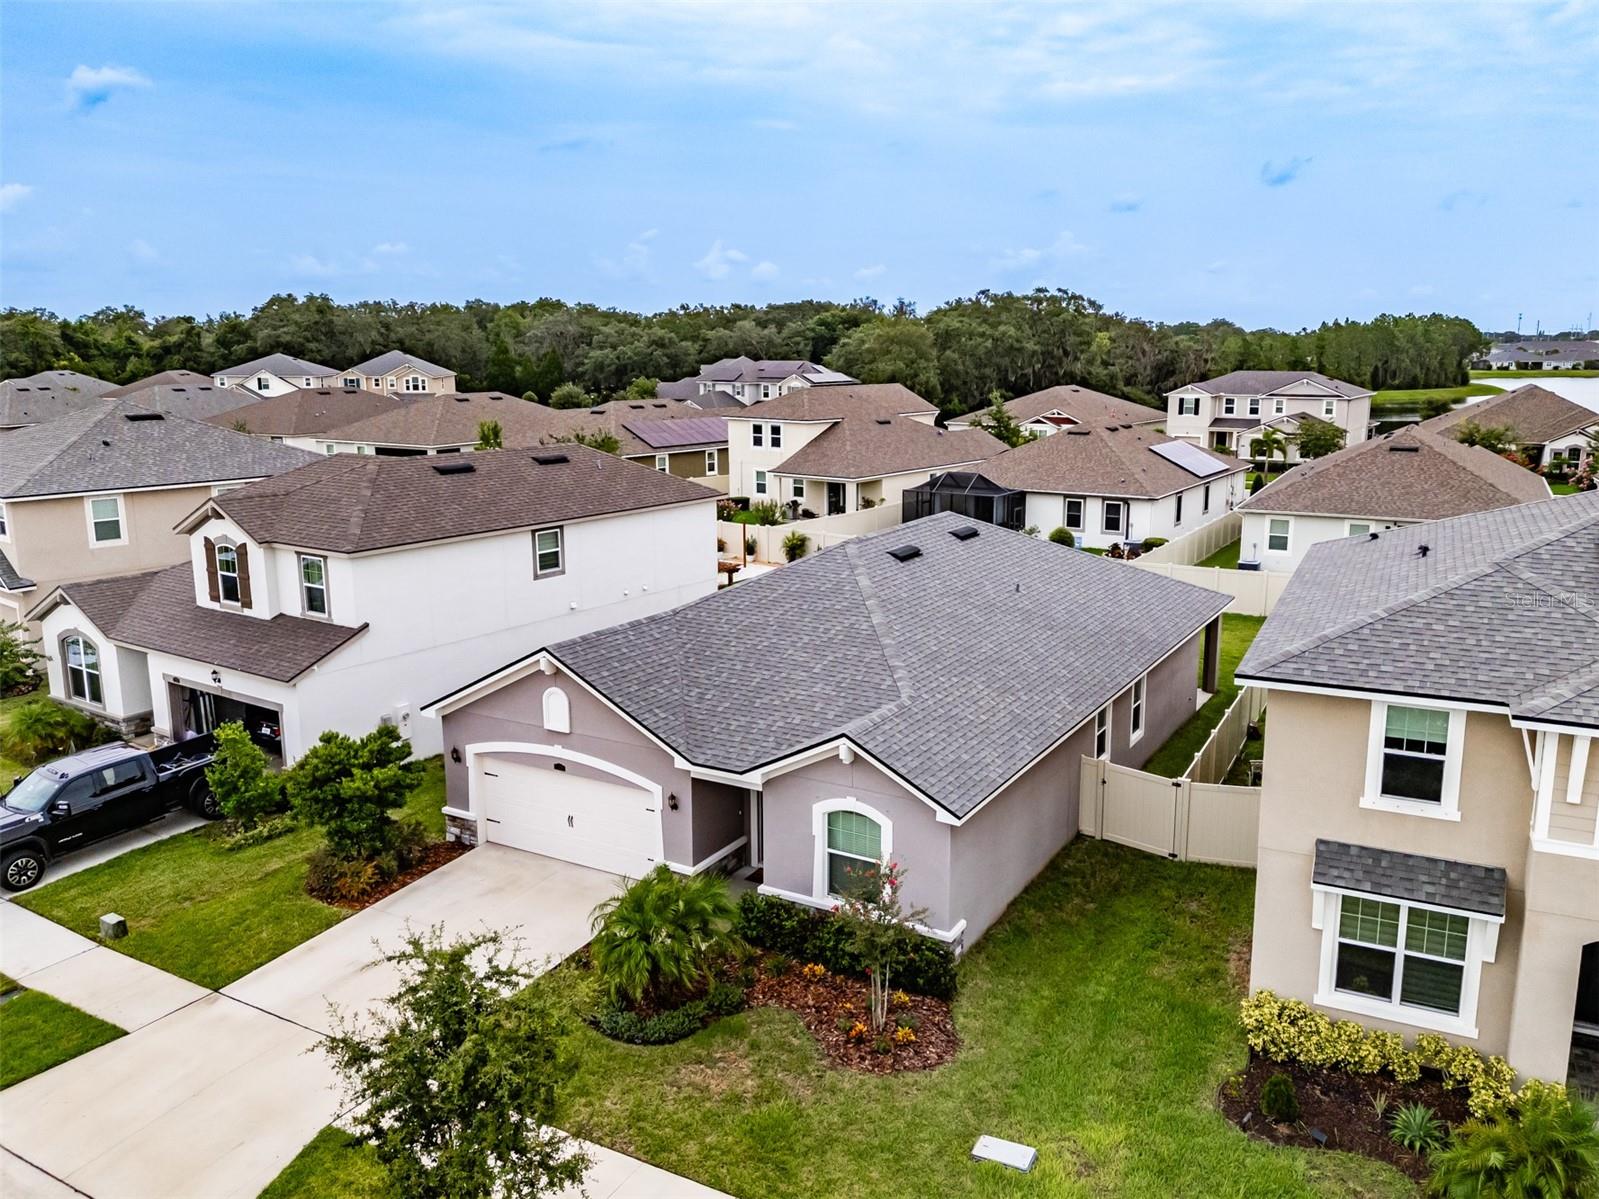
681	389
754	370
715	399
1537	415
101	449
349	503
1259	383
183	393
10	580
1385	872
309	411
156	611
1092	460
393	360
1083	404
863	447
47	395
1411	474
835	402
893	659
283	365
1501	607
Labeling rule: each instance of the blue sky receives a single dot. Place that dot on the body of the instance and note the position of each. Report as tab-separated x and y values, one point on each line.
1276	163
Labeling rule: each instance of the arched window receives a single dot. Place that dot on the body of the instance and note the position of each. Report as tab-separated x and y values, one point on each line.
852	840
557	711
82	658
228	573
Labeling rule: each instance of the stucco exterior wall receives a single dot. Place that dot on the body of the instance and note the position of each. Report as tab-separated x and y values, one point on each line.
1142	518
1303	532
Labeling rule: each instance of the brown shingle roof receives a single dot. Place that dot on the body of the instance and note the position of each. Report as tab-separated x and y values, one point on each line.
837	402
872	447
308	411
1097	460
156	611
350	503
1537	414
1086	406
1413	474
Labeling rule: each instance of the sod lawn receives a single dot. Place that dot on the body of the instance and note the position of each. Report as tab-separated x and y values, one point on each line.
1098	1019
1172	758
1226	557
209	914
38	1031
1573	374
1407	401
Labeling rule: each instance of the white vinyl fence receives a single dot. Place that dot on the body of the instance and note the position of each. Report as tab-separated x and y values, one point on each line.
1254	592
823	531
1216	757
1193	548
1176	818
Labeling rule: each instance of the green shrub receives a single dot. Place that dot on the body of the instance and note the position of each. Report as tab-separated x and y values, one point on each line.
750	546
765	512
806	935
42	729
662	1028
777	965
795	545
1542	1145
238	776
334	879
1279	1102
1152	543
21	663
1417	1128
258	833
347	787
1061	535
657	941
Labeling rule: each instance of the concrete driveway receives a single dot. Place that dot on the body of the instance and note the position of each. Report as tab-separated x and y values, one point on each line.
214	1097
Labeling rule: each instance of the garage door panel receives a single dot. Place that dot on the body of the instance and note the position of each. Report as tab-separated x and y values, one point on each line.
605	825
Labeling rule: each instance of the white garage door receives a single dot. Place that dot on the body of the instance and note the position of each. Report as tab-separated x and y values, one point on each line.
606	825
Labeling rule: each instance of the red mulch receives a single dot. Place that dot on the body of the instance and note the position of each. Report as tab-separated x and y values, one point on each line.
433	856
820	1003
1339	1104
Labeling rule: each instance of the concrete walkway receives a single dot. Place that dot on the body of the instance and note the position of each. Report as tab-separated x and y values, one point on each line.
212	1093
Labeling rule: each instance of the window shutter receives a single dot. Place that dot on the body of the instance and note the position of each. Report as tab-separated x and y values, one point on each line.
244	575
211	571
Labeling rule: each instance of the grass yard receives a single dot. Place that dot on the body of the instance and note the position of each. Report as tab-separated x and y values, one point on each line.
1172	758
1564	488
1226	557
1385	402
38	1031
1098	1019
205	913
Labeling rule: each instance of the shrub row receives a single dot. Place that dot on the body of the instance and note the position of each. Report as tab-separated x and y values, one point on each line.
1290	1030
808	935
721	999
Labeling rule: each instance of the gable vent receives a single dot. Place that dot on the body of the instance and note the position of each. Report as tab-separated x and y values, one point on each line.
905	553
1404	449
964	533
454	468
550	459
143	416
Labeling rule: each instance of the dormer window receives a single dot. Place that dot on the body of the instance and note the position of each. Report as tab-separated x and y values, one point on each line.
228	574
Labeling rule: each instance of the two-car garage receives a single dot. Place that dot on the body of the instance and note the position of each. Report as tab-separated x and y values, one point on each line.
578	812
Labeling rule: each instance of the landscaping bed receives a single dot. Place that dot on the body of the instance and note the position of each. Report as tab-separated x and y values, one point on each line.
1342	1105
439	853
834	1009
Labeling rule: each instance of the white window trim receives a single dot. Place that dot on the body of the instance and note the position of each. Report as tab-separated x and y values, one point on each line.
1448	806
560	548
1279	406
798	490
758	436
1066	512
1370	526
819	814
1229	406
327	599
774	437
663	463
122	521
1137	709
5	524
1110	740
98	671
1104	510
713	463
1482	944
760	483
1287	549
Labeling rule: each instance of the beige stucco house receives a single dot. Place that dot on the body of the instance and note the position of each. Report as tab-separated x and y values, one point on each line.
274	374
100	491
401	373
1429	827
1228	412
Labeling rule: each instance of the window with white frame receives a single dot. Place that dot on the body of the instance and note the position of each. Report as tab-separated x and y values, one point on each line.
757	435
377	383
766	391
82	659
262	383
854	851
1229	406
1112	519
1254	405
1187	405
1102	732
663	463
5	525
415	383
313	585
1359	528
1074	513
1407	955
105	520
1204	500
549	552
228	573
1415	754
1329	408
776	436
1135	718
351	381
798	490
1279	406
760	482
1278	531
712	463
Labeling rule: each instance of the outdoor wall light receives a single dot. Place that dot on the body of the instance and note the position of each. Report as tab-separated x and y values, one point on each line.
455	754
671	801
216	677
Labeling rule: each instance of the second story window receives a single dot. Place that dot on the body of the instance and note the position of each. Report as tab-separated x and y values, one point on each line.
5	527
105	520
228	574
1135	710
549	553
663	463
1329	408
1254	405
314	585
757	435
1102	732
712	464
1229	406
1415	746
1187	405
262	383
777	436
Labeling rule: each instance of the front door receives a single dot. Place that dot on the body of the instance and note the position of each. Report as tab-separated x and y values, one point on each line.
1587	1020
835	498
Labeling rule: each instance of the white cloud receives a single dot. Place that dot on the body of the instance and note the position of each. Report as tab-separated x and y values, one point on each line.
867	273
391	247
1064	246
634	261
90	87
311	265
142	251
764	270
12	194
719	260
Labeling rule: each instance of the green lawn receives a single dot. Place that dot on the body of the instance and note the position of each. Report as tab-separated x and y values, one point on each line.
1564	488
1172	758
1535	374
1226	557
205	913
1405	401
37	1032
1098	1018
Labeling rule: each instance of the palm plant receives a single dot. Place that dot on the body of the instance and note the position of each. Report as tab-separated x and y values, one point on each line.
1268	445
42	729
658	939
1545	1146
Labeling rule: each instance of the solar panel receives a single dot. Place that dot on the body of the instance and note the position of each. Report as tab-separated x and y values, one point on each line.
1190	457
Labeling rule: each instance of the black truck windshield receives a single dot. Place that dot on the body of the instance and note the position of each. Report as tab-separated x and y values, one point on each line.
32	793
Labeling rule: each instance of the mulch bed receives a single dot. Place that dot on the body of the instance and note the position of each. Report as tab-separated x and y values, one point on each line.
1340	1105
433	856
820	1003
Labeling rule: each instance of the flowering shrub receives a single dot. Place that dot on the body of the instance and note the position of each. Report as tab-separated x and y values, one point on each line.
813	972
1290	1030
899	999
904	1035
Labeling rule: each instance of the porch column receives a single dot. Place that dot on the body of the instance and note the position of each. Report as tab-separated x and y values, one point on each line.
1212	656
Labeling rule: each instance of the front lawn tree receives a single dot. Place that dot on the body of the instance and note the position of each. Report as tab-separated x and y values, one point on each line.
1268	445
1496	439
454	1081
347	787
1318	438
20	659
238	776
880	929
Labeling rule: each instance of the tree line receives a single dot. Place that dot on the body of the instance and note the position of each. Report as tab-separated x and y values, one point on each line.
956	355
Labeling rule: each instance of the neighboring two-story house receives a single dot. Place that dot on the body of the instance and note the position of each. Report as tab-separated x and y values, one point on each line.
98	491
744	381
34	399
1550	430
399	372
275	374
1055	408
1400	478
344	594
1228	413
1429	820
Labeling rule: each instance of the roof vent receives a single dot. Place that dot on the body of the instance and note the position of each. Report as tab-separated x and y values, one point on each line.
462	399
1404	449
964	533
454	468
142	416
1078	432
640	407
905	553
883	420
551	459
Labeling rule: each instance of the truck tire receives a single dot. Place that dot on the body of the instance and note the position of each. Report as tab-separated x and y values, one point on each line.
203	800
21	868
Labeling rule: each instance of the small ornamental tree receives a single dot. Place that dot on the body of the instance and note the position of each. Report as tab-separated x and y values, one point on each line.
1061	535
239	778
347	787
19	659
880	929
490	436
1268	445
1496	439
998	421
641	389
569	395
795	545
454	1080
1318	438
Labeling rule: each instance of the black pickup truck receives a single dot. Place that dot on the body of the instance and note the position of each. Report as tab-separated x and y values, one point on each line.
97	793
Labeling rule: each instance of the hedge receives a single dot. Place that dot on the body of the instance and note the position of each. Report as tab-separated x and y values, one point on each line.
808	935
723	999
